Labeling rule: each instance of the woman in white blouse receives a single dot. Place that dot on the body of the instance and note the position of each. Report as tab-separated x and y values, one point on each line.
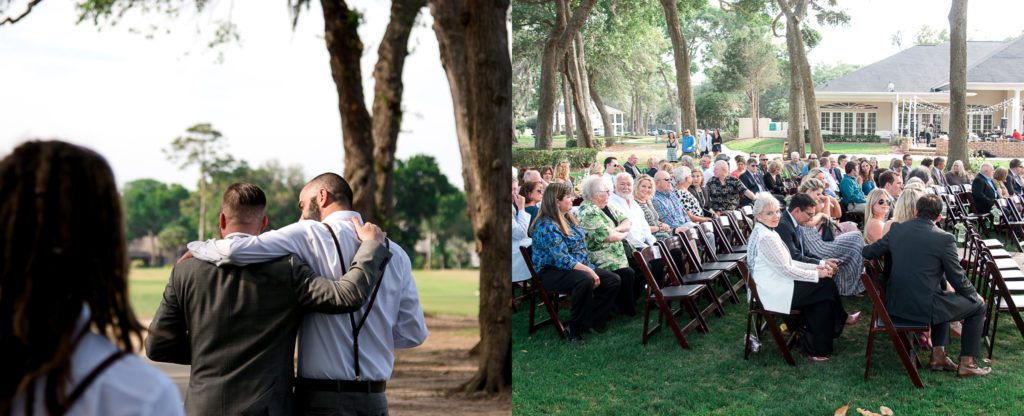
784	284
520	224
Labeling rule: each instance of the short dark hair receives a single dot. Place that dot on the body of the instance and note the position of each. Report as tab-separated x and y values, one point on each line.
244	203
929	207
752	161
939	160
608	160
841	157
336	186
851	166
897	163
826	153
801	201
1014	163
886	178
906	156
926	162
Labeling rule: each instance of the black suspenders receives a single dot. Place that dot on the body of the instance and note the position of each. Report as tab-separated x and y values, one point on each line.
369	305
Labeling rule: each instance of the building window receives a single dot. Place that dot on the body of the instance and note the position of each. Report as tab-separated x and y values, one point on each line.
837	123
848	123
825	123
869	128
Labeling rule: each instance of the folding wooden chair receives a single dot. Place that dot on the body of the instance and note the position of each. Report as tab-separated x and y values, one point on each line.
689	275
661	297
545	296
881	321
709	249
1002	297
727	266
696	263
1011	222
734	245
766	318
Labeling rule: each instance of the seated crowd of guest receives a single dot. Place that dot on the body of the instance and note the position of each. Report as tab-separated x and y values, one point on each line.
802	253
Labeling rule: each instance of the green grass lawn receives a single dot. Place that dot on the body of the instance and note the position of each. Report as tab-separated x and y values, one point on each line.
775	146
441	291
615	375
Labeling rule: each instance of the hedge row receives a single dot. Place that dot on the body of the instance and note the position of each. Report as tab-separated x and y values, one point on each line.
577	157
844	138
599	142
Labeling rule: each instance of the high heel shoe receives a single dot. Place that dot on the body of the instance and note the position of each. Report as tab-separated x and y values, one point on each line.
852	319
814	358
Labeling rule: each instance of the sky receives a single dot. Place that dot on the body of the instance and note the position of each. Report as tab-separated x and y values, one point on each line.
128	96
868	37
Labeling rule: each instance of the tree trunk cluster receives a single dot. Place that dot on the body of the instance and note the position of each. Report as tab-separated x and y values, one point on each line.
562	55
681	53
958	83
369	141
799	67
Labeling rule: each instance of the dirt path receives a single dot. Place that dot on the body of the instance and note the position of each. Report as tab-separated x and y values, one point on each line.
423	375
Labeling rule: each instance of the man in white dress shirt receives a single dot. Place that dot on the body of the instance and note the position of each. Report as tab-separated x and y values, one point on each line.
336	374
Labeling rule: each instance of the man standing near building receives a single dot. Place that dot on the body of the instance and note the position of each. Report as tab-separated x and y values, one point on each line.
236	326
336	370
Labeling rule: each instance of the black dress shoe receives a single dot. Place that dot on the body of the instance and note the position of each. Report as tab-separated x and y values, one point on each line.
594	331
574	337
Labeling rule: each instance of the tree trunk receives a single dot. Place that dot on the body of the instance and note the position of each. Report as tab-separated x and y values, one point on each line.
796	122
798	62
688	113
752	97
554	51
958	83
609	128
583	82
472	37
671	101
567	103
202	206
387	103
430	248
154	250
586	132
345	49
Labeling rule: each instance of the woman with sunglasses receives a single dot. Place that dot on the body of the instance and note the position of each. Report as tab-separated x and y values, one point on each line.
532	192
878	208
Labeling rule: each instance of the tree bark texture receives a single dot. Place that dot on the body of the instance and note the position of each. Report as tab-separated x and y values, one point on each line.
609	128
681	53
567	103
579	103
798	62
345	49
796	122
387	102
583	96
554	51
472	37
958	82
668	93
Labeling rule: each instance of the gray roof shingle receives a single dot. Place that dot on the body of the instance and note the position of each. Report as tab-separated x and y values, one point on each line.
922	67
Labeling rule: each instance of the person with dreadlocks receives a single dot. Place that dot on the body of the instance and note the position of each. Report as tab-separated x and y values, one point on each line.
67	330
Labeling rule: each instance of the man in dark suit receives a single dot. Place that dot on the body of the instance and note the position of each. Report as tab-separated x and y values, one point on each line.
752	179
630	166
1014	182
924	257
798	213
236	325
983	189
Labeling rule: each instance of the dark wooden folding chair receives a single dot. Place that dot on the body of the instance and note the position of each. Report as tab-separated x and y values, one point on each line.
661	298
727	243
686	274
766	319
547	298
1011	222
738	220
710	261
881	321
1002	297
695	262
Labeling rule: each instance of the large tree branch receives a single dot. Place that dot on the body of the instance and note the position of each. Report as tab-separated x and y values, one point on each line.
575	22
28	10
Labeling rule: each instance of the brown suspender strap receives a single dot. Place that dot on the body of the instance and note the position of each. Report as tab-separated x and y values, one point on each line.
84	384
369	305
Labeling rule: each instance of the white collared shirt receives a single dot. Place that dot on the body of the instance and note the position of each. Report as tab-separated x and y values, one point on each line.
640	232
129	386
325	341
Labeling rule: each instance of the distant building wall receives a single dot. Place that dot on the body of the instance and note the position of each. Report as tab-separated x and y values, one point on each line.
768	128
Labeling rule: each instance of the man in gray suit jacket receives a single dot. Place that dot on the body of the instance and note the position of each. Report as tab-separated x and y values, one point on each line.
924	256
236	325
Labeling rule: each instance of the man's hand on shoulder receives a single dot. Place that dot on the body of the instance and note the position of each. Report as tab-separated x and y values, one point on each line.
186	256
368	231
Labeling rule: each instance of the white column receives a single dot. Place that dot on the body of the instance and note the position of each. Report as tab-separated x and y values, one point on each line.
895	115
1015	112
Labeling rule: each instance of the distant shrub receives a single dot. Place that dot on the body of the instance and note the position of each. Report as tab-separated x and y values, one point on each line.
577	157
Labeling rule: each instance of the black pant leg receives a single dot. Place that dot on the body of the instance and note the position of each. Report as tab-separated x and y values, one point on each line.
822	310
625	299
604	297
949	307
580	286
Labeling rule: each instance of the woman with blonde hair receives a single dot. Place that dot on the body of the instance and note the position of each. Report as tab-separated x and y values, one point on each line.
905	208
999	178
826	204
642	192
562	264
957	175
562	176
652	166
874	222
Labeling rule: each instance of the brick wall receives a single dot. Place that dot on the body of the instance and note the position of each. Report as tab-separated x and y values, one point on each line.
1000	148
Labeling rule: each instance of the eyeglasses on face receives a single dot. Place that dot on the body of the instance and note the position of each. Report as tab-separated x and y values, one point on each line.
883	202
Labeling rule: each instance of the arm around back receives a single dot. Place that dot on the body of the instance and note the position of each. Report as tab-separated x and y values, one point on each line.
167	339
319	294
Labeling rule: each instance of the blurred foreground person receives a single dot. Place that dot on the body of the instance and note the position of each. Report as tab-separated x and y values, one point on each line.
68	331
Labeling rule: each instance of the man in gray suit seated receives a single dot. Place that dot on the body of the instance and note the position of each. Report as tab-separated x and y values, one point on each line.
237	325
